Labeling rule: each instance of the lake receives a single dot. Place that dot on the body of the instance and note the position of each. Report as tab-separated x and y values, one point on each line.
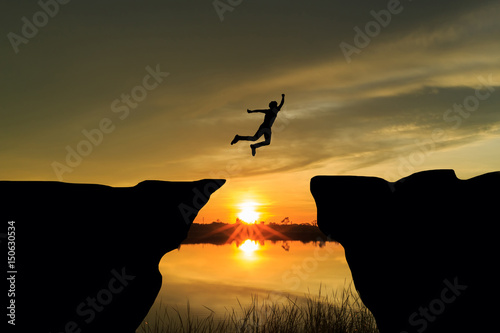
218	276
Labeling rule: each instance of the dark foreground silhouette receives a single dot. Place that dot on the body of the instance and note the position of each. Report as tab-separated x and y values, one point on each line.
264	128
87	256
421	251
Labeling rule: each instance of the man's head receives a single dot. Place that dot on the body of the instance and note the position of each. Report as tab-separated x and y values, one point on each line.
273	105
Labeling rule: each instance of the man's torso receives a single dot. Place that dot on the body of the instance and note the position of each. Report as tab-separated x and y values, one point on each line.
270	117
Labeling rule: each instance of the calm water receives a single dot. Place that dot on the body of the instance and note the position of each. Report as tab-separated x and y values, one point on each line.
217	276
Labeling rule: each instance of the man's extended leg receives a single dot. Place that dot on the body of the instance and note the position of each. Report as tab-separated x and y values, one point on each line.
249	138
236	139
266	142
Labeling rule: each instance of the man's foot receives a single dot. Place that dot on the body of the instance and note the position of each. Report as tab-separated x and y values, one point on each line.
236	139
253	150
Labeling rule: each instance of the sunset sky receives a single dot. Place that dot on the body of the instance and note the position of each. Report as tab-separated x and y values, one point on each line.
373	88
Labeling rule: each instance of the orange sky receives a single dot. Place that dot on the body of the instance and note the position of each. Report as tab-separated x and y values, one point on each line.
158	89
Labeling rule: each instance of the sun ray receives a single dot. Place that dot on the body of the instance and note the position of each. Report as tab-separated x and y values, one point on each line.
236	234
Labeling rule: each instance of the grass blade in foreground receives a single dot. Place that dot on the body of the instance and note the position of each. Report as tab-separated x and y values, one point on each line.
343	312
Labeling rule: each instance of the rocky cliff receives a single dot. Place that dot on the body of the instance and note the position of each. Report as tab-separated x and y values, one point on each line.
421	250
86	256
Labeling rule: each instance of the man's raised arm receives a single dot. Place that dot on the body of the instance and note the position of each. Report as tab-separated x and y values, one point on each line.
282	101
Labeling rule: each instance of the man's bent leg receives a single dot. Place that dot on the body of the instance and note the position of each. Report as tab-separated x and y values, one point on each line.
266	142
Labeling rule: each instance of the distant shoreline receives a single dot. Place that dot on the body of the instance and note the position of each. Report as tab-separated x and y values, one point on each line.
219	233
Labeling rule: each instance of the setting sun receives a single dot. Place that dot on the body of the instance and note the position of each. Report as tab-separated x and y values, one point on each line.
248	212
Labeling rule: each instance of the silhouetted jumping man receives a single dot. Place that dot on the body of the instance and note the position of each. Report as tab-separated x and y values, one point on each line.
265	127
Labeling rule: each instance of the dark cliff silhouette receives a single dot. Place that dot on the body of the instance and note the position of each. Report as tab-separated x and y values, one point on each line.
421	250
87	255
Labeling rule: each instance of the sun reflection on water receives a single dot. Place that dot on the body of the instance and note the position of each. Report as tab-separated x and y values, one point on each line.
249	247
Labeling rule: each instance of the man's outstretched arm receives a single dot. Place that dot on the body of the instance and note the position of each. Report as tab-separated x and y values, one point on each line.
254	111
282	101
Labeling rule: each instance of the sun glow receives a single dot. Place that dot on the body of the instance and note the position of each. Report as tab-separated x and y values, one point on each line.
249	247
248	212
